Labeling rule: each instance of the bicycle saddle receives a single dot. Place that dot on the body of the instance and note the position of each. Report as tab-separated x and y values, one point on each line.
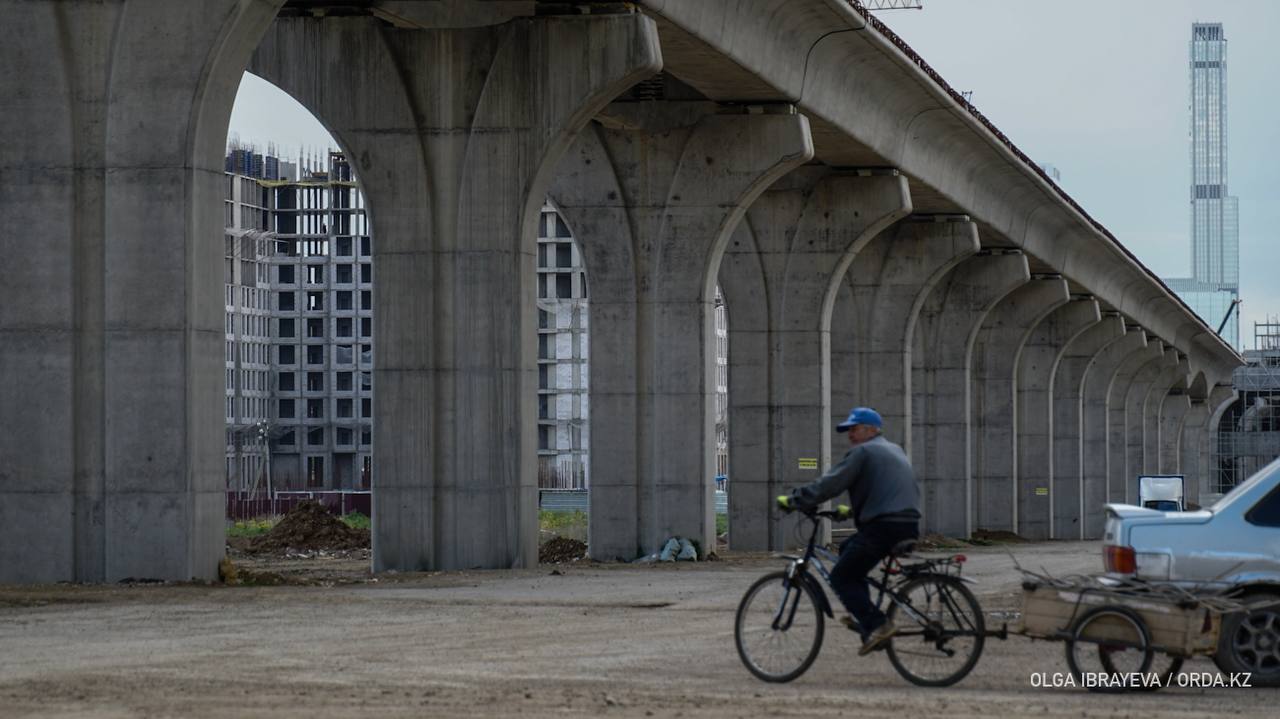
903	548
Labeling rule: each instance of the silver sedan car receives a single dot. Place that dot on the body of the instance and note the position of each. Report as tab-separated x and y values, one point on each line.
1234	543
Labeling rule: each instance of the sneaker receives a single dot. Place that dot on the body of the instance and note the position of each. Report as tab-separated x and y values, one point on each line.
851	624
877	638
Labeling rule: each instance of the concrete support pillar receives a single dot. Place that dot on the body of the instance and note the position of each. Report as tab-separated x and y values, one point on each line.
874	322
111	302
1037	365
1135	418
1096	422
1193	425
1174	378
454	134
1173	412
791	249
653	192
947	324
995	358
1119	422
1071	503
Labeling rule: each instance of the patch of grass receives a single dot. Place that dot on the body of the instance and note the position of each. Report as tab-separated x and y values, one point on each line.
722	524
250	527
555	521
357	520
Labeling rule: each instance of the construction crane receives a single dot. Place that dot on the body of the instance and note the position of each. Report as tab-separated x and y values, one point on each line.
892	4
1228	315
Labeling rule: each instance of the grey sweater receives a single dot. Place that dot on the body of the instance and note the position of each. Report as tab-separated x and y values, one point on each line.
879	479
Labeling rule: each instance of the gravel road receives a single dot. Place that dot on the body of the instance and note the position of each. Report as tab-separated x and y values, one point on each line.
558	641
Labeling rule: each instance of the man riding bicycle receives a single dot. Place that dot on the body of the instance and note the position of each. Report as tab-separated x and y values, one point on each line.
885	502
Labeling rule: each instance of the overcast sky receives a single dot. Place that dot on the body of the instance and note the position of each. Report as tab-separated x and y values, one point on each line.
1098	88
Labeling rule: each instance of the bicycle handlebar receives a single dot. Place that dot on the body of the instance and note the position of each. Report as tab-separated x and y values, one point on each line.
840	513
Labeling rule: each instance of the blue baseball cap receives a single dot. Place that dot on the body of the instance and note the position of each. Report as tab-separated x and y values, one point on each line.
860	415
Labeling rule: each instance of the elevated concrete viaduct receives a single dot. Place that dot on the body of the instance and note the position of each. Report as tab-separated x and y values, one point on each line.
656	127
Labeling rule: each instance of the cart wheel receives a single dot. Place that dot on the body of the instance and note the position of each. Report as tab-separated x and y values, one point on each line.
1107	643
1165	666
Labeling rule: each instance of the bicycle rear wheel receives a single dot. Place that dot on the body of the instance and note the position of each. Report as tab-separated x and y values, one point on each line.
941	631
778	629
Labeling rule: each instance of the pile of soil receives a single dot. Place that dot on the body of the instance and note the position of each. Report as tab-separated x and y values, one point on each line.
933	542
310	526
992	536
561	549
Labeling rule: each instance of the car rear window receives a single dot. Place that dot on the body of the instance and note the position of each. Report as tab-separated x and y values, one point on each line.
1266	513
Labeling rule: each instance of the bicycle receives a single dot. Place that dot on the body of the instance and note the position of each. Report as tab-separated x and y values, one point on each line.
940	624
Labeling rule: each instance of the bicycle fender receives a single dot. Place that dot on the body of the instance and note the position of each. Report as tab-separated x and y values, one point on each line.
823	603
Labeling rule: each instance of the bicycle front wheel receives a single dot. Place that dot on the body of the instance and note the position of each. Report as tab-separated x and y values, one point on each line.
940	631
778	628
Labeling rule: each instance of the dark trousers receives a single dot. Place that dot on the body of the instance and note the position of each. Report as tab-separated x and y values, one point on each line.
858	556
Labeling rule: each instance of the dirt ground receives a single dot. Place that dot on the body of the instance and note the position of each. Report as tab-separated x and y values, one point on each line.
559	641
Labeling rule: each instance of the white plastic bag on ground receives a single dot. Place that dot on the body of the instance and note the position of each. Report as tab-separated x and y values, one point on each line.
670	550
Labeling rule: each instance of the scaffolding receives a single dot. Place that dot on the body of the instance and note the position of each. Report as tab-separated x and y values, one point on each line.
1249	433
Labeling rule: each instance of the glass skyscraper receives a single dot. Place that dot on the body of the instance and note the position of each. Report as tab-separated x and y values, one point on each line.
1215	230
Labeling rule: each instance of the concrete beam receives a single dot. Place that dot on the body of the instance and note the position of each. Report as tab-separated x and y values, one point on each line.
455	256
1074	502
653	192
947	325
1037	365
871	343
994	388
795	243
111	302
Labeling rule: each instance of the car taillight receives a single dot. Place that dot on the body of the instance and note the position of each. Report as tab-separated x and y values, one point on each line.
1120	560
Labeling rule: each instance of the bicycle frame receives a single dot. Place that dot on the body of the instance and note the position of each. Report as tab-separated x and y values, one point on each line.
815	555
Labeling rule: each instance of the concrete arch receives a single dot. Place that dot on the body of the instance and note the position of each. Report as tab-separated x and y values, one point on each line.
680	210
1118	422
452	365
1135	399
994	391
803	230
1037	365
1096	419
1072	503
888	283
947	325
1175	378
113	335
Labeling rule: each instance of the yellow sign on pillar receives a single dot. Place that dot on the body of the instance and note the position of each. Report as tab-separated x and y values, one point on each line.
808	462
